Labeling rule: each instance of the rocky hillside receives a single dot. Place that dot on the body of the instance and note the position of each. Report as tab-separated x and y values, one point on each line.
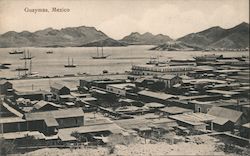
71	36
175	46
136	38
217	37
109	42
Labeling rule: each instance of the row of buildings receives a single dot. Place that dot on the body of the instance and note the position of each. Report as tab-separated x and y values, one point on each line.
205	95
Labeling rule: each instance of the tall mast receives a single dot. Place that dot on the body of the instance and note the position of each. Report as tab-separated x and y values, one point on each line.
72	61
25	66
68	61
30	66
102	51
97	51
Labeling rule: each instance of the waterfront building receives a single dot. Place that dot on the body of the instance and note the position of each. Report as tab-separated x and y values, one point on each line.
161	69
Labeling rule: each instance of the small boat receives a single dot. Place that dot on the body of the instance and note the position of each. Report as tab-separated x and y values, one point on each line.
49	52
16	52
98	56
70	65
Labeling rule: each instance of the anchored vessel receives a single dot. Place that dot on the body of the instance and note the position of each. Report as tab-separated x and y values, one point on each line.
26	56
16	52
98	56
70	65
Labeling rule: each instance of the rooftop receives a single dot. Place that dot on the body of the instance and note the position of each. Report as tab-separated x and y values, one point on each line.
42	103
62	113
175	110
158	95
223	92
122	85
226	113
154	105
193	118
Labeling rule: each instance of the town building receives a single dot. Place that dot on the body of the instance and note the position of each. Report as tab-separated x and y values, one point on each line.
225	119
161	69
58	89
170	80
120	89
5	87
48	122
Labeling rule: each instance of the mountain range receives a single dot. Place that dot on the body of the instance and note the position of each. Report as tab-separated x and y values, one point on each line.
145	39
217	37
71	36
212	38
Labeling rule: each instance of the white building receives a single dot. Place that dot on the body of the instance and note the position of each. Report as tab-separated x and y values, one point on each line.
120	89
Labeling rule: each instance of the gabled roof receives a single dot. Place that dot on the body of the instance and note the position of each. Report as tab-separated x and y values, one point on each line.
220	121
57	86
226	113
42	103
3	82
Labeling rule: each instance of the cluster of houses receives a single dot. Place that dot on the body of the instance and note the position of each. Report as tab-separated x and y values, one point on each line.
205	95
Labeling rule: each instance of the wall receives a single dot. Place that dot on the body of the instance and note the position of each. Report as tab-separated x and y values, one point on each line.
70	122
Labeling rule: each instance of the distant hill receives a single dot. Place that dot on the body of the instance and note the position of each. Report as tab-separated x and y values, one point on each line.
107	42
66	37
217	37
136	38
175	46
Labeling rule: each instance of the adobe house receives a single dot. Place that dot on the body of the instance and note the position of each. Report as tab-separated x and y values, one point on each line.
59	89
5	87
12	124
170	80
245	130
48	122
226	118
120	89
32	95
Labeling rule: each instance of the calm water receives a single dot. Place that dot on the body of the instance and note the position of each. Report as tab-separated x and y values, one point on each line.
120	60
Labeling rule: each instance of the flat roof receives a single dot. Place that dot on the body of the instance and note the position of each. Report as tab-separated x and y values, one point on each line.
223	92
193	118
65	133
61	113
195	81
154	105
175	110
158	95
121	85
18	135
11	120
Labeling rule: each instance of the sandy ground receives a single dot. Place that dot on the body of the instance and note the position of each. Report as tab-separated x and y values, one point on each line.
206	146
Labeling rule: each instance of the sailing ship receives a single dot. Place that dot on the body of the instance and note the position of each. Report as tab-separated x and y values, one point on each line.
26	56
70	65
98	56
16	52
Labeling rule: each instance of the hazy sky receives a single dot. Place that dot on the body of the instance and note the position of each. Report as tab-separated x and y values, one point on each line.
118	18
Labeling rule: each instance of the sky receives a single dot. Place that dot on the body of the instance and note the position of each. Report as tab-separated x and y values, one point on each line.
118	18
